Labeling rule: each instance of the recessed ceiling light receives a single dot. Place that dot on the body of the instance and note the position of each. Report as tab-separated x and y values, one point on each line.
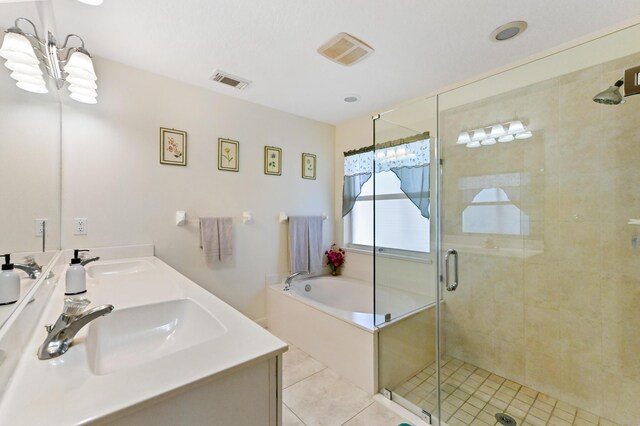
508	31
91	2
351	98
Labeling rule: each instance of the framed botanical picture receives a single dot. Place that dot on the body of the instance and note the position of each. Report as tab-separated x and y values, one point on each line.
308	166
228	155
272	160
173	147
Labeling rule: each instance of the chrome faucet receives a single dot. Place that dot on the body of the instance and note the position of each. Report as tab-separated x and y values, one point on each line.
30	266
89	260
60	335
289	280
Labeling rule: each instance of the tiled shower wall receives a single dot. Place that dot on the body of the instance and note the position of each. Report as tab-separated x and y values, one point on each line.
556	308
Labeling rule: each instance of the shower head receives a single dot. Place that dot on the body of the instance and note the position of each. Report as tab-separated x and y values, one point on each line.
611	96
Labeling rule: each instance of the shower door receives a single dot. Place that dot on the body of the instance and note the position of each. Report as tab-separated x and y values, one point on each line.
539	186
404	258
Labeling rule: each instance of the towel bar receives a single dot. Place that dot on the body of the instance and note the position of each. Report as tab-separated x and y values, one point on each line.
181	218
283	217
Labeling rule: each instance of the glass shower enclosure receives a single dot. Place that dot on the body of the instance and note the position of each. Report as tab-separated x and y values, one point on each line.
520	304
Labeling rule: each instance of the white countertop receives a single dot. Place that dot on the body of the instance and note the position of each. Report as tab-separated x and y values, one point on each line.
64	390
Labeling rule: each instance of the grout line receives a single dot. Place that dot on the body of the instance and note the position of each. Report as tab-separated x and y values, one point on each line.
304	378
356	414
294	413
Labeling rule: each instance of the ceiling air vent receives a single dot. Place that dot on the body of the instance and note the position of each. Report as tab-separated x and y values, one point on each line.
229	80
345	49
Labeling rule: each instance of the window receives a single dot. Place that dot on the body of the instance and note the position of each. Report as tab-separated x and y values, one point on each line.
400	226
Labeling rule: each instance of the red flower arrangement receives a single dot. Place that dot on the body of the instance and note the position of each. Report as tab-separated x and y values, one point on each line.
335	258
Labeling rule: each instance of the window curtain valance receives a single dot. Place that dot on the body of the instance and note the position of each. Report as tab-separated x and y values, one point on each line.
408	158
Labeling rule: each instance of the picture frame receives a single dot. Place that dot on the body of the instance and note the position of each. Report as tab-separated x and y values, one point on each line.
228	155
272	161
173	147
308	166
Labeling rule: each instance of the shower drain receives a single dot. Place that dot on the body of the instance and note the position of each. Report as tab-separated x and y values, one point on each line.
505	419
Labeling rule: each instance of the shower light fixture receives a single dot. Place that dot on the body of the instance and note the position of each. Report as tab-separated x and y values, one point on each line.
500	132
26	52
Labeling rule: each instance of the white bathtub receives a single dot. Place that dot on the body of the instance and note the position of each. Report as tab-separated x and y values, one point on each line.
332	319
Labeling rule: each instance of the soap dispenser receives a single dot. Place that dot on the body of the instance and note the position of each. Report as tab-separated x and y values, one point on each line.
9	283
76	279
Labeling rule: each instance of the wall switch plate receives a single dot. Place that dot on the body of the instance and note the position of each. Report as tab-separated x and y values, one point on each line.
80	226
40	226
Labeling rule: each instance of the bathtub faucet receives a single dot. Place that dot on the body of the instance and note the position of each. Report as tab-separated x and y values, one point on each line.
289	280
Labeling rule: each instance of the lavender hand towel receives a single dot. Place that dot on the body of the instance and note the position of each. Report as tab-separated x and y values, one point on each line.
209	240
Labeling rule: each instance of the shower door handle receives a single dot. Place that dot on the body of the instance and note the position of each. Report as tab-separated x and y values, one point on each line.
451	286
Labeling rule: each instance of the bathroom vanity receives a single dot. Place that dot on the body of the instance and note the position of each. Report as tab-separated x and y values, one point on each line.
169	353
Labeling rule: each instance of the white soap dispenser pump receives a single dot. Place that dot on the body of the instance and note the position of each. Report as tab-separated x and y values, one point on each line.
9	283
75	278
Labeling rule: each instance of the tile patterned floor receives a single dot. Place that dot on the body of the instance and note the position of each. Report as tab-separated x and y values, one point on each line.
472	396
314	395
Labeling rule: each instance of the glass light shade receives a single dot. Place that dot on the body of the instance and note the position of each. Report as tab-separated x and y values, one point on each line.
473	145
83	91
34	88
497	130
506	138
80	65
478	135
516	127
490	141
464	138
27	78
23	68
17	47
524	135
81	82
83	99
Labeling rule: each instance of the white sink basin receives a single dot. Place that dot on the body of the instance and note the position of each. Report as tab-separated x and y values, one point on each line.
118	268
138	335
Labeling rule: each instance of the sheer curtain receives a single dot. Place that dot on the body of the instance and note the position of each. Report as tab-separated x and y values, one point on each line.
408	158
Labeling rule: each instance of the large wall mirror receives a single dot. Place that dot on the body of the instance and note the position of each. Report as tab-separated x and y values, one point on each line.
30	160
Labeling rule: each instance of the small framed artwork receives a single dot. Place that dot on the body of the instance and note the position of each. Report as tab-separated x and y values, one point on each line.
228	155
173	147
272	160
308	166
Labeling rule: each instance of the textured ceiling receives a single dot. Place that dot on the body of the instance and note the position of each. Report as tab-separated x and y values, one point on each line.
420	45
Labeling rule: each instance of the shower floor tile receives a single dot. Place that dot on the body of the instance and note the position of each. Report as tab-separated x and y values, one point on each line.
472	396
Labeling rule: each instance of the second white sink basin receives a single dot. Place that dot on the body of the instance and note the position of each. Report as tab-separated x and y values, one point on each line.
118	268
138	335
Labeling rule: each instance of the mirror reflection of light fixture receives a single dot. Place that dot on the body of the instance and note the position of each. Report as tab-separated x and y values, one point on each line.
26	52
464	138
499	132
478	135
515	127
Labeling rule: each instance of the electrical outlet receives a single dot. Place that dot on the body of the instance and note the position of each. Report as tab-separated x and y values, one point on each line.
80	226
40	226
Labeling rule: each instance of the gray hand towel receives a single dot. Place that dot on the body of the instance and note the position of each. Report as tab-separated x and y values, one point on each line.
315	244
209	240
299	244
225	235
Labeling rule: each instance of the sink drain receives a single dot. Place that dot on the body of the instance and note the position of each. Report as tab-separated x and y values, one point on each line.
505	419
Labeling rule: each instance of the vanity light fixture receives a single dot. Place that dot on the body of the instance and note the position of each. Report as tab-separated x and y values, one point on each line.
489	135
26	52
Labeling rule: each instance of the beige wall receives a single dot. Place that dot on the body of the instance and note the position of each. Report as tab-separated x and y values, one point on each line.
557	309
30	166
112	176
